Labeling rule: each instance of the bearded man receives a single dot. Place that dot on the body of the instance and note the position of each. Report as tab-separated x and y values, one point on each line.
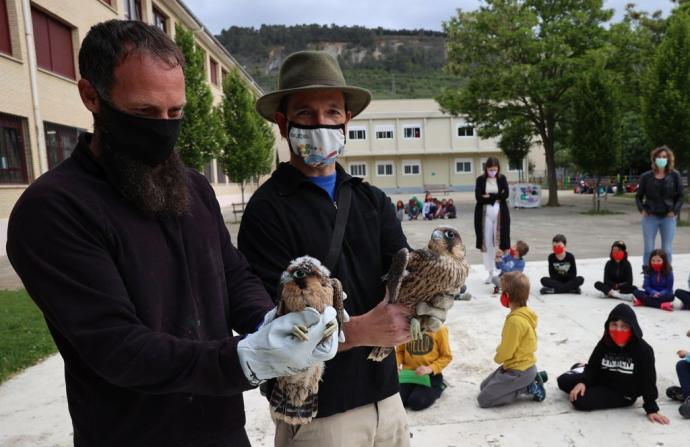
126	253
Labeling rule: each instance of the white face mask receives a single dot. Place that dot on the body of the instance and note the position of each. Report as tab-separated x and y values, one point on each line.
319	145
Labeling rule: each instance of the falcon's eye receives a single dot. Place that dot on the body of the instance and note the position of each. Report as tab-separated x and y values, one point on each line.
299	274
449	234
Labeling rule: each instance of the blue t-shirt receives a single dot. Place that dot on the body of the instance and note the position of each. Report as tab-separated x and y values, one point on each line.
327	183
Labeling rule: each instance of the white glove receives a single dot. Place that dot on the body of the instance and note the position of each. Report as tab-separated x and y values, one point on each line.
273	350
436	310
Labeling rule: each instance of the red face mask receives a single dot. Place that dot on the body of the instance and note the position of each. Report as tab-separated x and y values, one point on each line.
513	253
618	256
657	267
620	337
558	249
504	300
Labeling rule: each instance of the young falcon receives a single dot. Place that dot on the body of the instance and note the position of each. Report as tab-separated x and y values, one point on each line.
305	283
424	275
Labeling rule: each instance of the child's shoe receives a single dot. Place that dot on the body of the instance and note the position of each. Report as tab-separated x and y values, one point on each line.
675	393
496	290
615	294
684	409
544	376
629	297
547	291
537	390
576	291
666	306
636	302
488	279
463	296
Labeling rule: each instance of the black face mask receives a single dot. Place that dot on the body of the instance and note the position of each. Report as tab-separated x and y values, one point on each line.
149	140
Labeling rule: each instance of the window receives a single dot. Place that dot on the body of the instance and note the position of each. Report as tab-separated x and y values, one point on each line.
5	42
133	9
208	171
12	152
412	167
412	132
384	132
384	168
465	131
53	41
358	169
160	21
220	173
515	166
60	142
213	67
223	75
357	133
463	166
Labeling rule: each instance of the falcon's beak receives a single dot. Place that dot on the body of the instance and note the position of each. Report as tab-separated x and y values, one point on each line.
437	235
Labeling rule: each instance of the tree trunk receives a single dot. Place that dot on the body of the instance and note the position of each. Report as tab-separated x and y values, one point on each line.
242	190
551	171
687	208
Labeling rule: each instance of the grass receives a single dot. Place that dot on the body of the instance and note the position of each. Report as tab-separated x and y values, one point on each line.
601	212
24	336
683	223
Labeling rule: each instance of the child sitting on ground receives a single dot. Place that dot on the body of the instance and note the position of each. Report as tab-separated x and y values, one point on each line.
426	356
682	393
517	374
451	212
620	369
510	262
618	277
684	296
562	270
658	283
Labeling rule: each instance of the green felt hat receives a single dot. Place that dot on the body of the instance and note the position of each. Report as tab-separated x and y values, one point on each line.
311	70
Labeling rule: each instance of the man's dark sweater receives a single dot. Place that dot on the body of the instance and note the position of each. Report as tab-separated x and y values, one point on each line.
141	309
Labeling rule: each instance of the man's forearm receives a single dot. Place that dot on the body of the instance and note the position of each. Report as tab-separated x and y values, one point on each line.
352	334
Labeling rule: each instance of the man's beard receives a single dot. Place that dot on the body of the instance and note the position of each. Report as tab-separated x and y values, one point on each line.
159	191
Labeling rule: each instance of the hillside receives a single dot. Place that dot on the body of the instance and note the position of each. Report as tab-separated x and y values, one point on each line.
391	63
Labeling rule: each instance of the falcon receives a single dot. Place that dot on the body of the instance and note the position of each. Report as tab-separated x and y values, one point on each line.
305	283
425	275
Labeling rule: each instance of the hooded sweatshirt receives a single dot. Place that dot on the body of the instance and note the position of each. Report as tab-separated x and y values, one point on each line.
618	274
628	370
519	340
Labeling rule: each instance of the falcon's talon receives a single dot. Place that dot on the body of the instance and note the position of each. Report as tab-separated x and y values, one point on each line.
300	332
330	328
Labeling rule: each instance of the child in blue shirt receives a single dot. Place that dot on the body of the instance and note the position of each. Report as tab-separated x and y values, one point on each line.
658	283
509	262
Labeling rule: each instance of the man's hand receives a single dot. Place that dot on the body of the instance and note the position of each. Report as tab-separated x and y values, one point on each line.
658	418
644	213
577	389
682	353
274	350
436	310
384	325
671	214
423	370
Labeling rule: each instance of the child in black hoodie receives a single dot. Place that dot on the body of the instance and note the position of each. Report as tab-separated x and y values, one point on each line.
618	277
620	369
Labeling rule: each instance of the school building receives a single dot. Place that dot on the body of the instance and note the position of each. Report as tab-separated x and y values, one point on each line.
410	145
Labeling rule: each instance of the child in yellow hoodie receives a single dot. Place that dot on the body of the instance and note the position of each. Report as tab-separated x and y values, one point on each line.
518	372
426	356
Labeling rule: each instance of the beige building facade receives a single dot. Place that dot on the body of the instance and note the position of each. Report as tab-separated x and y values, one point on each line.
410	145
41	113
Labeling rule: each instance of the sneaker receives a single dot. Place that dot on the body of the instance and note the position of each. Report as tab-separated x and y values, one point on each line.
629	297
463	297
684	409
488	279
576	291
537	390
577	366
547	291
496	290
544	376
675	393
615	294
666	306
636	302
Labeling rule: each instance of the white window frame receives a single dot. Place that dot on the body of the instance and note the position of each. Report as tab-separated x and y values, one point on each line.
412	126
522	164
406	163
357	129
357	163
385	163
463	160
385	128
459	126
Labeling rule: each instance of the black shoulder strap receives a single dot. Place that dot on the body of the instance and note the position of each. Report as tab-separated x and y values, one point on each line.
343	203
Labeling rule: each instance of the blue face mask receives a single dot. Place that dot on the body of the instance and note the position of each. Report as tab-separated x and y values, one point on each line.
661	162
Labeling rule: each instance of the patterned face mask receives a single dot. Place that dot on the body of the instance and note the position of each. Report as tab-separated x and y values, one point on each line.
318	145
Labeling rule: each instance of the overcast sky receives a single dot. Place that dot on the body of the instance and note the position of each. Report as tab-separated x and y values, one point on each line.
394	14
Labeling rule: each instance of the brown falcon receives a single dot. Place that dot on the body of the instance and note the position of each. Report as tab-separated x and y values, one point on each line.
305	283
425	275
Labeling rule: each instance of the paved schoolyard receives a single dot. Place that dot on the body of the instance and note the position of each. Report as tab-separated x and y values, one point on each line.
33	410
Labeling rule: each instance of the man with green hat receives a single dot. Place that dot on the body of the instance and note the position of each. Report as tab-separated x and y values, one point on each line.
311	206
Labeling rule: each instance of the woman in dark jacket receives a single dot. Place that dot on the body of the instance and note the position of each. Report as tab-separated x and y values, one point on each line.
659	198
620	369
618	277
491	216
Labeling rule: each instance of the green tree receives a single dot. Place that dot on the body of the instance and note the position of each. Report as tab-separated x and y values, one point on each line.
596	126
666	101
516	141
201	135
519	59
248	152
